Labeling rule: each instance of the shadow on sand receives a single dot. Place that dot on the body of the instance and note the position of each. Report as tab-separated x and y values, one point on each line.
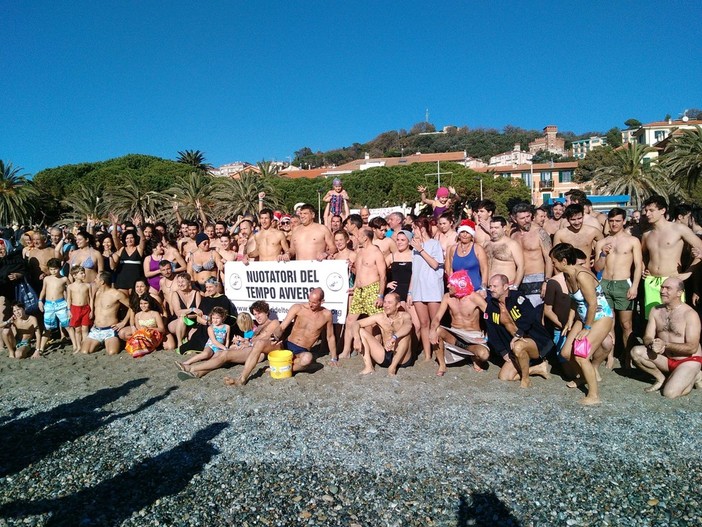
116	499
43	433
484	509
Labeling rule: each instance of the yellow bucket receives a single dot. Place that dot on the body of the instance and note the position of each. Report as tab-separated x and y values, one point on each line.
280	362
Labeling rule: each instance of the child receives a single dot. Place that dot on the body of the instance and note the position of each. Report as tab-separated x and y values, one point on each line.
245	323
442	203
81	305
149	329
55	306
18	332
218	332
337	202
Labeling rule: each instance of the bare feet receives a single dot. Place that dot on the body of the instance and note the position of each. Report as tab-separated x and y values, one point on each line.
478	366
367	371
542	370
182	366
576	383
698	381
234	382
656	386
525	382
589	401
345	356
427	359
441	373
392	372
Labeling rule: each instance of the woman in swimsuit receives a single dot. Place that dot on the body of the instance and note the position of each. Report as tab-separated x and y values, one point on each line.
185	303
468	255
148	329
155	251
205	262
106	247
399	265
87	256
594	318
171	253
129	261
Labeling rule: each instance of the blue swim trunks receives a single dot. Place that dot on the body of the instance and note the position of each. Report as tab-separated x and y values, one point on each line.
54	309
291	346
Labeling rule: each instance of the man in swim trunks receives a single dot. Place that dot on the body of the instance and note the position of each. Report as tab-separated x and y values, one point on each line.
515	332
465	307
368	287
578	233
662	248
106	323
309	321
393	351
671	344
618	256
311	240
536	246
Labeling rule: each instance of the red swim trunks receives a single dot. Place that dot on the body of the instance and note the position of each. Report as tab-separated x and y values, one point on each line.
672	363
80	316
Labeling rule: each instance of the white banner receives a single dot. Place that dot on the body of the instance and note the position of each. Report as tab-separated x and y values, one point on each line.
283	284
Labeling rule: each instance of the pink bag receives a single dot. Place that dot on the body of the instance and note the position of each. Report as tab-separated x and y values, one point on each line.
581	348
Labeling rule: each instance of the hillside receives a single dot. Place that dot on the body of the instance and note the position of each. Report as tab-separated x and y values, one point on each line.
479	143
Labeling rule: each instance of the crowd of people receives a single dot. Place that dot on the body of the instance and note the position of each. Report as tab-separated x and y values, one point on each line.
555	286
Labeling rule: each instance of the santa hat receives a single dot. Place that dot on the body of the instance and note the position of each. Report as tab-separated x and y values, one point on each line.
467	226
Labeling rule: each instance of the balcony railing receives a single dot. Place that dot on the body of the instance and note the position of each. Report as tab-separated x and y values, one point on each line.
546	185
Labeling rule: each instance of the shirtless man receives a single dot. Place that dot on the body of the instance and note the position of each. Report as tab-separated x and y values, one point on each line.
352	224
393	350
271	244
540	216
237	354
445	232
465	308
662	248
335	223
484	211
578	197
365	215
505	256
578	234
309	321
106	324
671	344
553	224
368	288
18	331
310	240
167	284
37	259
382	242
244	238
617	254
188	245
536	246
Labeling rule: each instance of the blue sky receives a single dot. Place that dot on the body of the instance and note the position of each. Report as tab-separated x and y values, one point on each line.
92	80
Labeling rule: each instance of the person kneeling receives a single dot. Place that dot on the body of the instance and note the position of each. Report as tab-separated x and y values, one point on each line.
395	328
671	344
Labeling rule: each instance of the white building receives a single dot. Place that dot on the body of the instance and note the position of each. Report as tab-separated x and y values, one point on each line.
514	157
583	146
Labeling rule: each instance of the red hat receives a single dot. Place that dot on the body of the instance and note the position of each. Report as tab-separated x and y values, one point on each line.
467	226
442	192
277	215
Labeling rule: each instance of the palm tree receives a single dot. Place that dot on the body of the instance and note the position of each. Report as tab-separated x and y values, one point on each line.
631	175
240	196
83	202
194	158
193	193
683	158
267	168
130	200
17	195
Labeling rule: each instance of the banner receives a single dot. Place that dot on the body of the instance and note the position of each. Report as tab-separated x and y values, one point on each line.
283	284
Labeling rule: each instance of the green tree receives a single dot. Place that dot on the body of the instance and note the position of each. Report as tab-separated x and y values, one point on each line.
17	195
632	123
602	156
195	159
683	158
193	193
87	201
240	196
131	199
267	168
614	137
633	175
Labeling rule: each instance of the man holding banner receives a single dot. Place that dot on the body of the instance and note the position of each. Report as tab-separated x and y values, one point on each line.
310	240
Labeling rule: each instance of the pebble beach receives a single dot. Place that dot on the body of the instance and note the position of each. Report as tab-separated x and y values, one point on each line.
101	441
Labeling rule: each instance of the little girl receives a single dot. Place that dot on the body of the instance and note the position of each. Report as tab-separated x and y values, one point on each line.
218	332
337	202
245	323
442	203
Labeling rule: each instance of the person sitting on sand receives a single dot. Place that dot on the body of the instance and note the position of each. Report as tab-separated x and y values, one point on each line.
218	333
237	354
308	322
514	330
19	331
106	323
671	344
394	349
465	307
